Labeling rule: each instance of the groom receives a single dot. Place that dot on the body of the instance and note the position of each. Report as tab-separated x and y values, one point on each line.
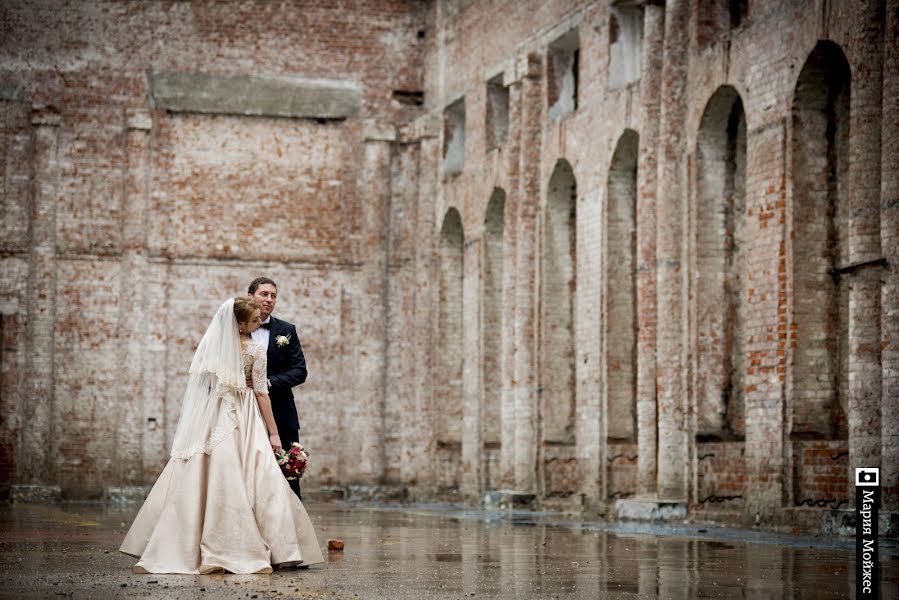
286	363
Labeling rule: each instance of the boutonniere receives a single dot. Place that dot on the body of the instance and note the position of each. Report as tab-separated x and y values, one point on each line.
282	340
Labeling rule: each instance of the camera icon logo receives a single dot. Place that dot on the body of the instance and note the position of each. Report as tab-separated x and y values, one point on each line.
867	476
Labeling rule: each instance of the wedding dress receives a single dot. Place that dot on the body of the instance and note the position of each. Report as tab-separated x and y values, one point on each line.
221	503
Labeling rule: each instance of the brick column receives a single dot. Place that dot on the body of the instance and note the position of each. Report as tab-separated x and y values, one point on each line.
670	365
889	239
405	238
374	187
590	292
650	87
16	172
864	243
418	426
471	476
766	271
132	325
510	281
527	435
34	463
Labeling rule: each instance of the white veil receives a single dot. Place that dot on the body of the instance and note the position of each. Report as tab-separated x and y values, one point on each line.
208	410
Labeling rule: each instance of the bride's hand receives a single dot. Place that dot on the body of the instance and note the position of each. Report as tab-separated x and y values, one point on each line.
275	441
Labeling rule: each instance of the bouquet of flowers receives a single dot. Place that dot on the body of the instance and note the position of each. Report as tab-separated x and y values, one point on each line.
293	461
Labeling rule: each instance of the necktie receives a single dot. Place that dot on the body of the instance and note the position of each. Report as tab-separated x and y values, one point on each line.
266	325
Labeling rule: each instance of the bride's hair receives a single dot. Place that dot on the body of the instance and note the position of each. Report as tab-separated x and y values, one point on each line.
243	308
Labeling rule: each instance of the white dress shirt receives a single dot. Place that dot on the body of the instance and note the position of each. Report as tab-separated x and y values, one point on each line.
261	335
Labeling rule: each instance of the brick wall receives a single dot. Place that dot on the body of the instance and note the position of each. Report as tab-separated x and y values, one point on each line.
622	470
721	476
712	271
124	225
889	241
725	244
820	474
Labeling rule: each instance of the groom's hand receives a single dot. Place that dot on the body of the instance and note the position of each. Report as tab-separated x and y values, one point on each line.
275	441
249	382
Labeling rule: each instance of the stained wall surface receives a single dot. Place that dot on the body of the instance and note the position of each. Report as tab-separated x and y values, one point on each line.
589	251
128	217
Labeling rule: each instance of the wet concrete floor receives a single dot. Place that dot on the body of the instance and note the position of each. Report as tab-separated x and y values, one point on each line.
423	552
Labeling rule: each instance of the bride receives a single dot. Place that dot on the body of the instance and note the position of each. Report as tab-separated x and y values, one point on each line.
221	503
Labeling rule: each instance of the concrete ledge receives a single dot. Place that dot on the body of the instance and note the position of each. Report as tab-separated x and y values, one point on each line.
381	493
125	494
842	522
629	509
424	127
509	500
283	96
35	494
326	493
373	131
368	493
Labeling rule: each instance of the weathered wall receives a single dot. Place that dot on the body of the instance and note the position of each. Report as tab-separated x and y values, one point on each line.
710	321
134	202
701	378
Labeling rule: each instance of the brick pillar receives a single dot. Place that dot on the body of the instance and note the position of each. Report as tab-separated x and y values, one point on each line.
399	400
132	327
374	187
15	171
407	238
491	370
765	425
161	400
670	365
527	435
650	88
864	243
590	417
889	239
418	426
34	463
510	279
471	476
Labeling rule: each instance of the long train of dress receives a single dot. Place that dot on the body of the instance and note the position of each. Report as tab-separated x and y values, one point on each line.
228	510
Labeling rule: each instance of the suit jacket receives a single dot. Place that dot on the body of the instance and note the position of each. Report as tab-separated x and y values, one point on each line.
286	368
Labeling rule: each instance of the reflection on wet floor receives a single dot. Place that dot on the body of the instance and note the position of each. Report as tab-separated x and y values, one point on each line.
69	550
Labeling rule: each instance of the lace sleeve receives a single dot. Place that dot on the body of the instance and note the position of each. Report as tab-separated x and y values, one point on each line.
260	366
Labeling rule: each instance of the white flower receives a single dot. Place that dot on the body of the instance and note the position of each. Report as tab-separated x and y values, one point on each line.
282	340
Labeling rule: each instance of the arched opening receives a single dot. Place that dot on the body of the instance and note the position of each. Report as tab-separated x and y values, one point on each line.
818	390
820	145
494	229
620	325
558	278
720	249
448	363
621	295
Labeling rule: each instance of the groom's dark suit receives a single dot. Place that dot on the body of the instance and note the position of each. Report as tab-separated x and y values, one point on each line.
286	368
